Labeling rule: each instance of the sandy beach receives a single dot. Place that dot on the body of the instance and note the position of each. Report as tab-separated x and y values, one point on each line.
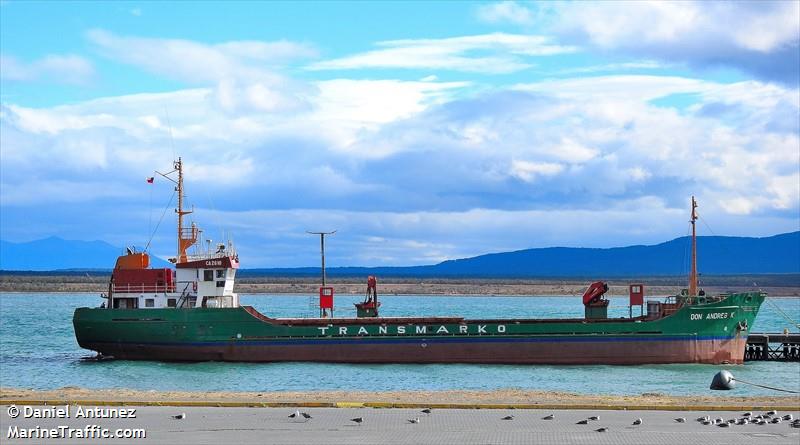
466	399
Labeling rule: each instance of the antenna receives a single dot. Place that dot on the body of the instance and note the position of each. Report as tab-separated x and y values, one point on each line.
693	273
171	140
322	249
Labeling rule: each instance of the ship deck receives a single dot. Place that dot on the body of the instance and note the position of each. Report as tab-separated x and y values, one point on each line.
316	321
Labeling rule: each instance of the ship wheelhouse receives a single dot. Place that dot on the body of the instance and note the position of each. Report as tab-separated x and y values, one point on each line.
201	279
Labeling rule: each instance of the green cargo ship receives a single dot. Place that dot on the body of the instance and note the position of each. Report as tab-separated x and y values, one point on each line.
192	314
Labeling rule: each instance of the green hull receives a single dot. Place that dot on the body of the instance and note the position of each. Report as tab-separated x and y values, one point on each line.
695	331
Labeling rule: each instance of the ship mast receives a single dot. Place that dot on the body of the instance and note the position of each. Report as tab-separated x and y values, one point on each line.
186	236
693	273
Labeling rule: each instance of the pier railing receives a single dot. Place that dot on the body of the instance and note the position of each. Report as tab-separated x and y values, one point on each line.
773	347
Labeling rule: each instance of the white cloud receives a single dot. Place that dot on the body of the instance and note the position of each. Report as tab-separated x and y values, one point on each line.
528	171
506	11
58	68
758	37
245	74
622	66
487	53
636	88
201	63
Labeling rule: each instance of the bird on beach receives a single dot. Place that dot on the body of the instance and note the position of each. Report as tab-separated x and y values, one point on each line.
582	422
708	422
681	420
703	419
602	429
180	416
426	411
731	421
357	420
776	420
718	420
637	421
594	418
747	414
788	417
742	422
509	417
414	420
297	415
772	412
724	425
549	417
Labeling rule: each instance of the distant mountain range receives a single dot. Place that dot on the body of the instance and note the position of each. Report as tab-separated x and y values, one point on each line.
717	255
55	253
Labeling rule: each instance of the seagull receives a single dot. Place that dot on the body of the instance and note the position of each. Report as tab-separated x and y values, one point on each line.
707	422
718	420
509	417
297	415
703	419
776	420
426	411
742	422
414	420
788	417
637	421
602	429
594	418
357	420
731	421
772	412
681	420
748	414
180	416
724	425
582	422
549	417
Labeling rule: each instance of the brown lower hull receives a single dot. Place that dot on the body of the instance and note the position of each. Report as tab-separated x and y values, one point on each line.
560	352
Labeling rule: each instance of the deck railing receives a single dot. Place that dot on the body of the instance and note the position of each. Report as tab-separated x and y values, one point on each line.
143	288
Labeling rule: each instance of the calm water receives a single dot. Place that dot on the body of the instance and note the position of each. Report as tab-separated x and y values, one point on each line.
38	350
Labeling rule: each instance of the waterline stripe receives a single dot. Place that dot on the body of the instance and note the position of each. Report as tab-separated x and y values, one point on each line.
404	340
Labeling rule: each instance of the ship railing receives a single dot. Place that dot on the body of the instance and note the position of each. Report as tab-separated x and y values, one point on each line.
142	288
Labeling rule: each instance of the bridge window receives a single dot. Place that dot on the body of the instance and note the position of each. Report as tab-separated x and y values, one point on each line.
208	275
220	273
220	284
149	302
171	302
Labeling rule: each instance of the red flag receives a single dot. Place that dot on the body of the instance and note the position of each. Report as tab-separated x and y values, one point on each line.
150	179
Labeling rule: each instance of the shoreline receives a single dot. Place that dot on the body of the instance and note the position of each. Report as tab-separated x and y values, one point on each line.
503	398
506	288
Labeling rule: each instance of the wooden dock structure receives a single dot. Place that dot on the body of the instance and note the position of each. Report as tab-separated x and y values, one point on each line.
773	347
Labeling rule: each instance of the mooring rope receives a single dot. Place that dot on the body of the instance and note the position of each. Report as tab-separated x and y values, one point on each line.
766	387
796	324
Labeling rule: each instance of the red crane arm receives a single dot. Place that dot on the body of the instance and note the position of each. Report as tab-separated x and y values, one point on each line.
594	292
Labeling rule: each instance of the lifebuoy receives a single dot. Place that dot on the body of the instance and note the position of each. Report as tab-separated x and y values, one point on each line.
194	286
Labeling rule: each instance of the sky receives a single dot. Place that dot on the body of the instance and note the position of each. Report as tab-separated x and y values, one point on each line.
420	131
